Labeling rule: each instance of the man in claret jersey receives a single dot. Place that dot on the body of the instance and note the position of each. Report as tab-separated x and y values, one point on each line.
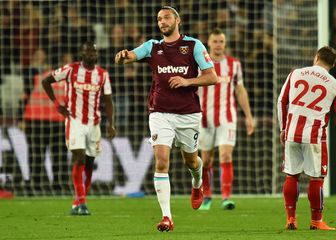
173	103
219	120
85	82
304	104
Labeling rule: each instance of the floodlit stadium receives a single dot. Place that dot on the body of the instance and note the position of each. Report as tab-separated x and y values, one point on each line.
269	37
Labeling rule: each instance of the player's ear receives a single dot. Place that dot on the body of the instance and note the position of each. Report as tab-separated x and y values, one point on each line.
178	20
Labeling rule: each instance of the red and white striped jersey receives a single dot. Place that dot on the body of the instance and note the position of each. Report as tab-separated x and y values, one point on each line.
304	104
218	101
83	88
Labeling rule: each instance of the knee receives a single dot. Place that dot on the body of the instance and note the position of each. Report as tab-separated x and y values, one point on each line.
225	157
78	157
161	164
192	163
207	162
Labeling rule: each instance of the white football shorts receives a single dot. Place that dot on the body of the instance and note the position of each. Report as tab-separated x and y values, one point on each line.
80	136
224	134
183	128
312	159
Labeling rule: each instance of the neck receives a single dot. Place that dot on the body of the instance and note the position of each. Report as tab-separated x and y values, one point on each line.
172	38
88	66
322	65
216	57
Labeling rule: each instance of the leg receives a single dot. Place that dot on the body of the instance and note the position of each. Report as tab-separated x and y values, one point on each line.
78	158
89	164
207	144
194	164
315	160
291	195
162	185
207	157
315	196
225	159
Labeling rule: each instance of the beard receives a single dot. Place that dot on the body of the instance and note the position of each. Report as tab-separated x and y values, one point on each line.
90	60
169	31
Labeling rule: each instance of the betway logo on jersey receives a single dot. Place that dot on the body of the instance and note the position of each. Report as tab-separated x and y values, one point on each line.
172	69
87	87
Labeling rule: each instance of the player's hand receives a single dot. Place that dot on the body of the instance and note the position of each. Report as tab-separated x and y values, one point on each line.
121	56
249	125
21	125
62	110
282	137
111	132
177	81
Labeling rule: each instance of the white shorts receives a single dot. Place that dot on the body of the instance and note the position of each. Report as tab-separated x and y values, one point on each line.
184	128
312	159
80	136
211	137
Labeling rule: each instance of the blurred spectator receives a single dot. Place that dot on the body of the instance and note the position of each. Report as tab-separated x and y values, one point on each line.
44	128
55	35
30	28
76	29
135	38
116	43
200	31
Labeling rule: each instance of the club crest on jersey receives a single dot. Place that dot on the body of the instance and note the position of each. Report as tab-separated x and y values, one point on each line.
184	49
154	137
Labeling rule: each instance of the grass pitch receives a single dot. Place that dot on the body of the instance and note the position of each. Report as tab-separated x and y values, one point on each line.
126	218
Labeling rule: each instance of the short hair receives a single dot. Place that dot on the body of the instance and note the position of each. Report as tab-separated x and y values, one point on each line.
327	55
88	44
216	31
174	10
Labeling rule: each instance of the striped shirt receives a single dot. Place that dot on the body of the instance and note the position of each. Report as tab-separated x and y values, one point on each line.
83	88
218	101
304	104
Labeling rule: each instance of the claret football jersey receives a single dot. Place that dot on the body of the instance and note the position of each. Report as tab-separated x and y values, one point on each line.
180	58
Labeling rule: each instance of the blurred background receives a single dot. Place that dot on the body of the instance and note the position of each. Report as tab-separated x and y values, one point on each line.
269	37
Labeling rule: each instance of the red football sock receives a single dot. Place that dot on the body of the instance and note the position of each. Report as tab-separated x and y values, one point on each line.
88	177
315	196
206	177
77	178
226	178
291	194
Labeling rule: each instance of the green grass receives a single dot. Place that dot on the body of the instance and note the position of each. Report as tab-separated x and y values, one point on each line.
125	218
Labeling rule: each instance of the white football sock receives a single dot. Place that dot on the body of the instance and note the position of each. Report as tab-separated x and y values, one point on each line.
162	188
197	174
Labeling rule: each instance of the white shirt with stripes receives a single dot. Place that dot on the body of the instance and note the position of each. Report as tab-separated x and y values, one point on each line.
218	101
83	89
304	104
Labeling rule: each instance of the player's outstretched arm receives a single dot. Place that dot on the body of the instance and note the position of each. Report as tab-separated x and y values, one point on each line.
243	101
46	83
111	132
125	57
